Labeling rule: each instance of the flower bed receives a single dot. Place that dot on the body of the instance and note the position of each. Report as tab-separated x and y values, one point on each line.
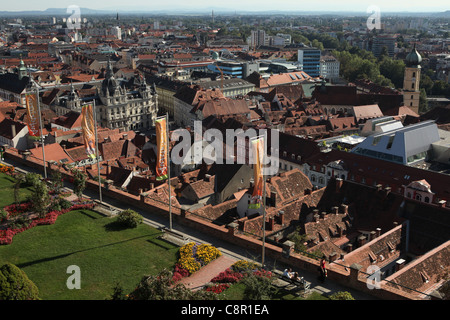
7	235
6	169
193	256
234	274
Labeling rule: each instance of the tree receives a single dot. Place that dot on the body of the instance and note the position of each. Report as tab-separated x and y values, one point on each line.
423	102
19	180
40	198
79	182
57	180
393	70
160	287
15	285
426	83
32	178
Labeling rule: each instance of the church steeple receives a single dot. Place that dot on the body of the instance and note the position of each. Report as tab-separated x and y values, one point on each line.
411	80
22	71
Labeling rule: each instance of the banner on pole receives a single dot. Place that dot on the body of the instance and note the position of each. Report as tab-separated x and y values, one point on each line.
33	114
257	195
162	152
87	126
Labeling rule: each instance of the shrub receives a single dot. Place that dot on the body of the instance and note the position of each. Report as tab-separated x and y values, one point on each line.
258	287
15	284
64	203
159	287
130	218
341	295
31	178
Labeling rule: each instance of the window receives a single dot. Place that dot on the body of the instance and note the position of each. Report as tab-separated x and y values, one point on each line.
321	180
313	178
427	200
418	197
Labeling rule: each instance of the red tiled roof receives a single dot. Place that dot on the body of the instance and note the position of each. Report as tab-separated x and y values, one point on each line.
52	152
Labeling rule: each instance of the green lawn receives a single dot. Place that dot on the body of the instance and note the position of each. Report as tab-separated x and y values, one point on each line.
7	190
104	252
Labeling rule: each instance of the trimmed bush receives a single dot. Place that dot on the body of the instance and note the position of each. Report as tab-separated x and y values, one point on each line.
15	285
130	218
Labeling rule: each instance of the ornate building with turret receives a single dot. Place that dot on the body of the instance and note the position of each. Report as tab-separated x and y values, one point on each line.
130	104
119	103
411	90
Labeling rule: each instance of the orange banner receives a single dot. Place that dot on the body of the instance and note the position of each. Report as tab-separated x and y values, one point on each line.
33	114
162	152
258	151
87	125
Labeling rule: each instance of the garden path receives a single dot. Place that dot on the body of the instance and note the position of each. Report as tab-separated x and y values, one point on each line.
205	274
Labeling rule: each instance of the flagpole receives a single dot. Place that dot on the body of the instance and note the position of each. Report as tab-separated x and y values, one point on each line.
264	205
96	151
41	128
168	171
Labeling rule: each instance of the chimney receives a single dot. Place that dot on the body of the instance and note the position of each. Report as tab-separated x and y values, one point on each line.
333	256
399	264
349	248
271	223
13	130
361	240
207	177
344	208
387	190
316	218
273	198
442	203
232	228
373	235
323	215
339	183
378	232
281	217
335	210
340	230
379	186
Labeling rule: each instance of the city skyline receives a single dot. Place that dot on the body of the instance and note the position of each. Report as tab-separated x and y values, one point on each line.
234	5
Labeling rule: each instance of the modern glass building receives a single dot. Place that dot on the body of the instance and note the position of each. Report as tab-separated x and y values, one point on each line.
403	145
233	69
310	59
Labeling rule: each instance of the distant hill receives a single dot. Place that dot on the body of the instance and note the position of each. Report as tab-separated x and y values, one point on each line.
205	10
52	12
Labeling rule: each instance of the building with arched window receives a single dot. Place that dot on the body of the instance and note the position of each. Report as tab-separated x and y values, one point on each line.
420	191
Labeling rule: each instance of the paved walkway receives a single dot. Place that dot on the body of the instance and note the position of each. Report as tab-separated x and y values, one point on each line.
205	274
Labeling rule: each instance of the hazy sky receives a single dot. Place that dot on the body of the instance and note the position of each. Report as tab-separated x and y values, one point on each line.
254	5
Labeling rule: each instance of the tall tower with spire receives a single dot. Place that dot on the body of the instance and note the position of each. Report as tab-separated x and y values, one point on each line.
411	80
22	70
